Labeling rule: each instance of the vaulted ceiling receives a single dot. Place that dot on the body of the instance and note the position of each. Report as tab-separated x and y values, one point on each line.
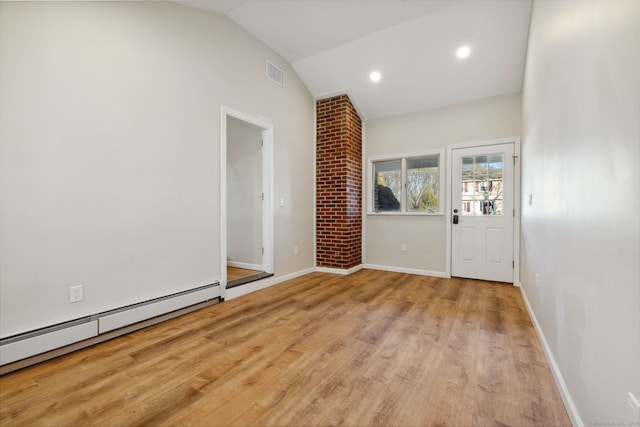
335	45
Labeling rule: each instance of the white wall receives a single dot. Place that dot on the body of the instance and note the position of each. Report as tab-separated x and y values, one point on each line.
581	139
244	192
490	118
109	153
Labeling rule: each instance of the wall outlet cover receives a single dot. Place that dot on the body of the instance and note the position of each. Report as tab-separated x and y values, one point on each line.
75	294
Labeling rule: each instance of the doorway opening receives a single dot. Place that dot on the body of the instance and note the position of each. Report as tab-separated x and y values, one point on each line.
246	194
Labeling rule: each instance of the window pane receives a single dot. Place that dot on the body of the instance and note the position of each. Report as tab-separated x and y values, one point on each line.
482	185
422	184
387	188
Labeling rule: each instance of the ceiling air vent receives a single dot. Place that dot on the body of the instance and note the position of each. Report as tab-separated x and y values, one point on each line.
275	73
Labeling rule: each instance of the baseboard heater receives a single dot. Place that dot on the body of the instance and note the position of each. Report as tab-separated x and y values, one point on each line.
33	347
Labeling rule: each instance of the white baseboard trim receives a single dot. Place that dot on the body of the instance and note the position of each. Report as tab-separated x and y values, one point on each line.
569	404
292	276
248	288
407	270
339	270
245	265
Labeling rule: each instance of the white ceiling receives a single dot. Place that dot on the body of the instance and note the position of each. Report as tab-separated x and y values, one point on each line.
333	45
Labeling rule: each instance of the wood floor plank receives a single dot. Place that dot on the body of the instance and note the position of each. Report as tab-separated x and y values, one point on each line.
371	348
236	273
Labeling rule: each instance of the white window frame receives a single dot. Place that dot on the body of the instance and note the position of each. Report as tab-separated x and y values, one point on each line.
403	172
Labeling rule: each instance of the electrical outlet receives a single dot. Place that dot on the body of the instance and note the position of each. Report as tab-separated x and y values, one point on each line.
296	251
633	410
537	280
75	294
403	247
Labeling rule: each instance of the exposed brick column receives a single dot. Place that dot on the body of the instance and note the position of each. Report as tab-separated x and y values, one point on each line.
338	183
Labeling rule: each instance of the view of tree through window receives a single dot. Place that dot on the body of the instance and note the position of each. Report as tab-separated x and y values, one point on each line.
422	184
388	185
418	176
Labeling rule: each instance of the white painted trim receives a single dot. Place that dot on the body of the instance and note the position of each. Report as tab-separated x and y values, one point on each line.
569	404
365	196
408	155
223	202
517	204
407	270
244	265
374	214
447	213
516	199
294	275
484	143
403	203
339	270
248	288
267	186
315	184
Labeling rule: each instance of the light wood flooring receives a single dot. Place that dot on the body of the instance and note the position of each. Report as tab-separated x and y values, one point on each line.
237	273
371	348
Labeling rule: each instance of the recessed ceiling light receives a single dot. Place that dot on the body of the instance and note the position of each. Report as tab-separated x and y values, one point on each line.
463	51
375	76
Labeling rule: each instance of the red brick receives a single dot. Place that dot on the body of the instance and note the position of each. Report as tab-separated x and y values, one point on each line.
338	183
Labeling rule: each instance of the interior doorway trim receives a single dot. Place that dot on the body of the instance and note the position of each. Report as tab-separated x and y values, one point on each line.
516	200
267	189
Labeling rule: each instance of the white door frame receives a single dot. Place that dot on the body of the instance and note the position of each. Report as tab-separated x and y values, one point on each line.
516	200
267	189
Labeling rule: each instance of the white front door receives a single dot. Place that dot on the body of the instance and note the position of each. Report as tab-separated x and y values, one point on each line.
482	204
